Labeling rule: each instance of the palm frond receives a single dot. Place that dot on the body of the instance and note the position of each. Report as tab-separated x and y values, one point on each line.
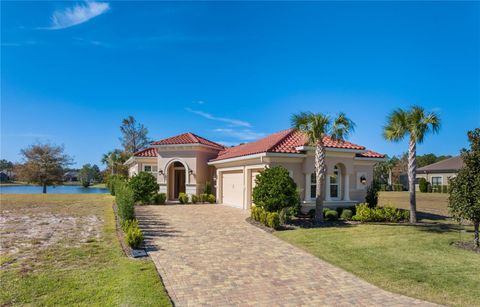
342	127
397	126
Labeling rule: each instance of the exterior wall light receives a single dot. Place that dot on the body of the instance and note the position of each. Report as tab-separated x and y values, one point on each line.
363	180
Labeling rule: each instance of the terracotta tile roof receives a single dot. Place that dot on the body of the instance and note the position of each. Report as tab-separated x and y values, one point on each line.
370	154
282	142
448	165
147	152
188	138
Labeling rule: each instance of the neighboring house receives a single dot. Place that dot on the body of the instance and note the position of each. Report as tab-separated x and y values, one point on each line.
71	175
439	173
186	162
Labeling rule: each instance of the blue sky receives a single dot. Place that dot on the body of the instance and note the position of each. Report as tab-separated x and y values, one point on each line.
232	72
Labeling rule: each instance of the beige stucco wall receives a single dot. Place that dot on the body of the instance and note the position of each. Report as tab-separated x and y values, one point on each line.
445	178
137	166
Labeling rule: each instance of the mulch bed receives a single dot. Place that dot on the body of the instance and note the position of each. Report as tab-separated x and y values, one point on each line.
469	246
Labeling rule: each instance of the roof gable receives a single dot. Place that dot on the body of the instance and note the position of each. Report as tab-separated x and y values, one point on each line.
285	141
188	138
450	164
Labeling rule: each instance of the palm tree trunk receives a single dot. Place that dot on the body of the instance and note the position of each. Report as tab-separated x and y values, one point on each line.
476	239
412	171
320	171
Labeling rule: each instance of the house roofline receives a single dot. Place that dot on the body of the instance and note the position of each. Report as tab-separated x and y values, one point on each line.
258	155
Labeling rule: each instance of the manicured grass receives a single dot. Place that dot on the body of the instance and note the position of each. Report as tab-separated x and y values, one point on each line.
86	266
417	261
434	203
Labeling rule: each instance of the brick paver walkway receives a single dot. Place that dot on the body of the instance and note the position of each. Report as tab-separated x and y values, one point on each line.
209	255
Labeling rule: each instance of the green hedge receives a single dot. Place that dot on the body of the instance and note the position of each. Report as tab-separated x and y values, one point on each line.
269	219
125	200
380	214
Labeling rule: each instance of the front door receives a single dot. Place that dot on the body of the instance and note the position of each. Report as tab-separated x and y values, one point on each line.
179	186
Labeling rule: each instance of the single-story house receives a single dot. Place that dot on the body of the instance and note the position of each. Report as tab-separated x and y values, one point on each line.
439	173
186	162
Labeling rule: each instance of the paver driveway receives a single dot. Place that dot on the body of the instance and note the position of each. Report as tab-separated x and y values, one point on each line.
209	255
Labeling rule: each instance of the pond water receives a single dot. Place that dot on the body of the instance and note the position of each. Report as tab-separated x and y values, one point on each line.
59	189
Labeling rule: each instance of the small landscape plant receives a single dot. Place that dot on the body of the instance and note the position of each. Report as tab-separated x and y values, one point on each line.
380	214
183	198
372	194
133	233
423	185
331	215
269	219
211	198
194	199
346	215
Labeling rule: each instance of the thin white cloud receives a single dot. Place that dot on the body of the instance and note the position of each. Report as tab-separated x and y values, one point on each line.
244	135
233	122
18	44
77	14
91	42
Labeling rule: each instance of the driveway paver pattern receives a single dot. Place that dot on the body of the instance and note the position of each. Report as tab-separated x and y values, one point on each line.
208	255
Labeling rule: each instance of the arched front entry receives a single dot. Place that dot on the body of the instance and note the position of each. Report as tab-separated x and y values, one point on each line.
176	180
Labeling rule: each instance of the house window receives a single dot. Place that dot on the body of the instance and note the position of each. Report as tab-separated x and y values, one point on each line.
313	185
436	180
150	168
334	183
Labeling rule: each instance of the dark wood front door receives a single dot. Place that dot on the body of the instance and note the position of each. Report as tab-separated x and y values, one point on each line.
179	182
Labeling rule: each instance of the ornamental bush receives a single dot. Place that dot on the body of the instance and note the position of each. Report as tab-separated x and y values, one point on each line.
112	181
194	199
275	189
347	214
273	220
372	194
134	235
124	198
183	198
331	215
422	185
159	199
380	214
211	198
144	186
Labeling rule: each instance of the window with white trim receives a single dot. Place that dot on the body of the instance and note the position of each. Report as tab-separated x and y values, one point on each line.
334	183
150	168
436	180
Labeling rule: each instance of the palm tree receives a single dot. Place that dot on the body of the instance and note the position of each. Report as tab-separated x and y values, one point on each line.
112	159
416	123
316	126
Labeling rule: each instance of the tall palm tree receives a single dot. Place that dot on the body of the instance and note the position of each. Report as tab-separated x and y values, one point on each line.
112	159
415	123
316	126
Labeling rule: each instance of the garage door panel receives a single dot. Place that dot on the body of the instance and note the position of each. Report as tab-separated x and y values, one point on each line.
233	188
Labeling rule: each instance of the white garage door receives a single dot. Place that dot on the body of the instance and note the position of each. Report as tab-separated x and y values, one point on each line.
232	189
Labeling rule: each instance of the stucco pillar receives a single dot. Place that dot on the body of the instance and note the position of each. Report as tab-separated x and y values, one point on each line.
219	187
327	188
346	195
308	186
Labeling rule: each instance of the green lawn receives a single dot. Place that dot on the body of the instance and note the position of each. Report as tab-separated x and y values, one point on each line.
417	261
434	203
63	250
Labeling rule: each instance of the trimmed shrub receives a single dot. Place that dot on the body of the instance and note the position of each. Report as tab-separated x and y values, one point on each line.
331	215
194	199
346	215
273	220
160	198
144	187
380	214
444	188
383	187
112	181
397	187
125	200
183	198
134	236
311	213
325	210
372	194
422	185
263	216
211	198
275	189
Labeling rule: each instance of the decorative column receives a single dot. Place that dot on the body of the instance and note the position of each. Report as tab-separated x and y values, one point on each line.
346	196
327	188
308	186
